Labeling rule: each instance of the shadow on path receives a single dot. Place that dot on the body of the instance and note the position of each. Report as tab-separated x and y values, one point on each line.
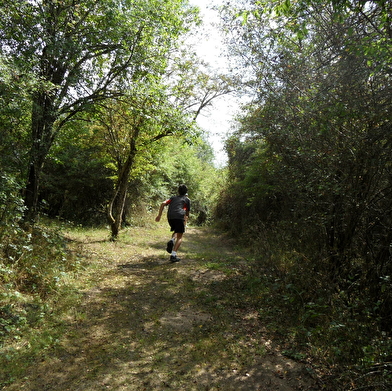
148	324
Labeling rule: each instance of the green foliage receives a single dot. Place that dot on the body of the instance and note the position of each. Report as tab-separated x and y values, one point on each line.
35	260
88	88
82	53
339	329
192	165
88	159
34	269
309	176
11	205
14	117
76	183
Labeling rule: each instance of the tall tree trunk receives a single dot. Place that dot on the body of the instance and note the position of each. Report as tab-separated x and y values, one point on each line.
31	193
42	122
116	207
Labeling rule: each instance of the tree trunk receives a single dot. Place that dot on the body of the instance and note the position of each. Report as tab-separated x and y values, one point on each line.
31	194
116	207
42	122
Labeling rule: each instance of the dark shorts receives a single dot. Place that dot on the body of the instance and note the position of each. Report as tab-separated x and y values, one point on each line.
177	225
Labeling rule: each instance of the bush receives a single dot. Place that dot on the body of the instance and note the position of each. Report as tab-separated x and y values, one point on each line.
11	205
33	267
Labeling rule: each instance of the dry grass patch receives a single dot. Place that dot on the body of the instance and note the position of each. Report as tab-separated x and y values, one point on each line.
142	323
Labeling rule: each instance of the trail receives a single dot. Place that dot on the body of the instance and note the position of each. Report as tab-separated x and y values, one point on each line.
146	324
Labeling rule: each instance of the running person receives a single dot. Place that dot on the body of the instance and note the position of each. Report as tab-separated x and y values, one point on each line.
177	216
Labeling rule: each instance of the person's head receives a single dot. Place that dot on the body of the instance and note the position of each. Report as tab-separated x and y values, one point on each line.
182	190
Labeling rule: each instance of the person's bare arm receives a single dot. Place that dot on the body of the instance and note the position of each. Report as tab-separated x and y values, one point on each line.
158	218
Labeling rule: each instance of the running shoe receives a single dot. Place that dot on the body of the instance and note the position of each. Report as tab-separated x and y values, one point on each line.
174	258
169	246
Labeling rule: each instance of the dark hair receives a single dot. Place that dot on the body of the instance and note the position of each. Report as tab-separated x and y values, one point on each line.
182	190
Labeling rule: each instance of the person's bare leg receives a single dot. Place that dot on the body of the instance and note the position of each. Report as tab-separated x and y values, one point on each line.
170	243
178	241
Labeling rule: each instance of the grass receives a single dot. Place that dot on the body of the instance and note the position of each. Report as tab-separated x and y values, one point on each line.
130	320
119	316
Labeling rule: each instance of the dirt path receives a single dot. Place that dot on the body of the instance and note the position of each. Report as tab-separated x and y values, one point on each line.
146	324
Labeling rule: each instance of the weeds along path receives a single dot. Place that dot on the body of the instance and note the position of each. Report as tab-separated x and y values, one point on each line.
143	323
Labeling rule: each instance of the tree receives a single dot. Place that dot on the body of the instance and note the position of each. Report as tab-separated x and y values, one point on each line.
129	129
312	156
316	93
164	105
83	52
310	171
77	176
155	111
191	164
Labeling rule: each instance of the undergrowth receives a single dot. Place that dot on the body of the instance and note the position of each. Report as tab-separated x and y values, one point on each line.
337	328
35	268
